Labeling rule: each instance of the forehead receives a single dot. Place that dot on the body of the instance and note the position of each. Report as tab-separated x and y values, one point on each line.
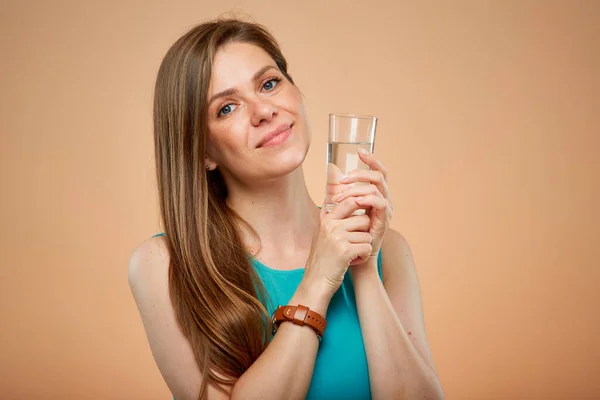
235	64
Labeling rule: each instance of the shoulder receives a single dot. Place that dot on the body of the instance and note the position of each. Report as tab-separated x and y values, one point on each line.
149	260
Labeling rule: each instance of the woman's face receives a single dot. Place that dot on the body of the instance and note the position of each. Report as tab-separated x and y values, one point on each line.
257	124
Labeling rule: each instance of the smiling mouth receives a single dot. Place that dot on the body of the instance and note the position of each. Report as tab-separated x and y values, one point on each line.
278	138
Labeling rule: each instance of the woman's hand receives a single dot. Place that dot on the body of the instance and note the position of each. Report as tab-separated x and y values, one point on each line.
374	196
342	240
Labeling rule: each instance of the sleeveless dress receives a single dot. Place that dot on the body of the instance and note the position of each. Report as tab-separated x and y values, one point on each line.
341	370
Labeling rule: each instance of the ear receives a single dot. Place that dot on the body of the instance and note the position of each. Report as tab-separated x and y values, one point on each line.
209	164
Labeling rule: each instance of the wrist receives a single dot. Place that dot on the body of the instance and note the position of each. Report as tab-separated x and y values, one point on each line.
313	296
368	268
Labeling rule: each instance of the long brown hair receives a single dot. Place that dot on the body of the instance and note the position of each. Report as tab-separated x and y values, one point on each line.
215	291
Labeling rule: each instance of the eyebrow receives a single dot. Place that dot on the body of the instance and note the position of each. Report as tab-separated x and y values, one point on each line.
229	92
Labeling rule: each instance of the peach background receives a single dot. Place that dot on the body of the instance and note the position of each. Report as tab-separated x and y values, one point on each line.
489	123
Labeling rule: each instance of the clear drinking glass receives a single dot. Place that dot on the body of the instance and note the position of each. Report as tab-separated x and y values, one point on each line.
347	134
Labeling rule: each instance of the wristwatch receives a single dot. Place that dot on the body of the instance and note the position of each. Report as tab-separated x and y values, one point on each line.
299	315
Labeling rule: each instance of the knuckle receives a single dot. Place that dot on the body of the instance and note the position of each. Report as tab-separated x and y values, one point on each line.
329	226
348	201
365	250
346	249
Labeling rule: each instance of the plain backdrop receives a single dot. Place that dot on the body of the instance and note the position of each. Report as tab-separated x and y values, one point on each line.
489	124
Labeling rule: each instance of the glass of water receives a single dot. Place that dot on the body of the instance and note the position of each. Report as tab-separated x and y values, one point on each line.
347	134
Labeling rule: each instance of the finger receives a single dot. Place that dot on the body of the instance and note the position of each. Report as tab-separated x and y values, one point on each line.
357	261
373	201
374	177
322	211
334	173
363	175
356	223
358	191
344	209
360	237
373	162
363	251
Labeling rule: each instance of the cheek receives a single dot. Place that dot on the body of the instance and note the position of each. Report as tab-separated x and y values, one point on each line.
225	142
293	101
216	144
298	100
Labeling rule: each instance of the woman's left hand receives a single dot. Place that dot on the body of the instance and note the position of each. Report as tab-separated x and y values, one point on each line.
373	197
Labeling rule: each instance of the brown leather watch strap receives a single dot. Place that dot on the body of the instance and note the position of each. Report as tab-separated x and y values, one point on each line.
299	315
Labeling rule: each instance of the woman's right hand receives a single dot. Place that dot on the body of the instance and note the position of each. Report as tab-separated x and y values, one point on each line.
342	240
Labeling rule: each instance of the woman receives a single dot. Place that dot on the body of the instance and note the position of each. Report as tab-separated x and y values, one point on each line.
243	236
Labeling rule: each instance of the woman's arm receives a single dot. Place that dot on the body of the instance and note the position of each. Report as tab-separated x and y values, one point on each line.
391	321
284	370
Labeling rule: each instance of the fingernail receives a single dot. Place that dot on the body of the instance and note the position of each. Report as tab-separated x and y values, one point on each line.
363	151
343	178
338	197
359	199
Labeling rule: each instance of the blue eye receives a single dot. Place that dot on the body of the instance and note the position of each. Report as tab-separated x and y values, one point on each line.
270	84
226	109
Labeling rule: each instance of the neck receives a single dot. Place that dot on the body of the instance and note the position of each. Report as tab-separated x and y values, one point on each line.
281	211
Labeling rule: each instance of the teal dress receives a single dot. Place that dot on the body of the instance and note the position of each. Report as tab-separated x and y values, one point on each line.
341	370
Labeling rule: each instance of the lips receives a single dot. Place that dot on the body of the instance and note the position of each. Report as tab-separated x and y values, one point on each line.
276	136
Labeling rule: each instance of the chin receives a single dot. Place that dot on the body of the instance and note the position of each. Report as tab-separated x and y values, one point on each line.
289	161
286	162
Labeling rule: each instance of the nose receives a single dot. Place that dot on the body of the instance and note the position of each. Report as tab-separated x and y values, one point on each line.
262	111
